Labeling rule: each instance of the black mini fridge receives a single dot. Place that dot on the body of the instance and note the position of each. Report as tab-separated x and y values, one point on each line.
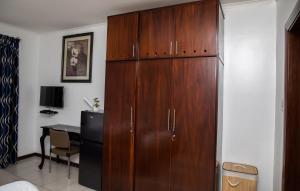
91	149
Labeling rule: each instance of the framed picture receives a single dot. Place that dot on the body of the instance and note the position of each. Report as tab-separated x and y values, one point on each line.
77	58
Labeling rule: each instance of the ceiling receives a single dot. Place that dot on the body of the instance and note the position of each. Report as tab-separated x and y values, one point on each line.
236	1
52	15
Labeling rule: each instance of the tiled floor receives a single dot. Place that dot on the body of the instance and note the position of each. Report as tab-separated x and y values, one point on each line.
57	180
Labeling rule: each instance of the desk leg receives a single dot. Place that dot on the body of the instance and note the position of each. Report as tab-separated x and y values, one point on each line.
42	142
57	159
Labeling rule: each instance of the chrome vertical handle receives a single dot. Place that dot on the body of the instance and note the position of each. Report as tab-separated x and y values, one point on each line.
133	50
174	120
171	47
174	126
131	120
176	47
169	119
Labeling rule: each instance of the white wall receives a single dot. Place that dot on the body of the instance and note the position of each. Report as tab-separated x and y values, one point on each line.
249	97
284	8
249	87
28	71
50	74
40	64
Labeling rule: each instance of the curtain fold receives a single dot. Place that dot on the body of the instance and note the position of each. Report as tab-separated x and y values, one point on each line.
9	98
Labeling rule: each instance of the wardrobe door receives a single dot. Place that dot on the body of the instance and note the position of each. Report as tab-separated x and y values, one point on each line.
196	29
291	171
122	37
119	126
157	33
194	124
153	138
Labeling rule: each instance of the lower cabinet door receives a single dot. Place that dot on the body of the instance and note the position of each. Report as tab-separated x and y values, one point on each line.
119	126
153	138
194	140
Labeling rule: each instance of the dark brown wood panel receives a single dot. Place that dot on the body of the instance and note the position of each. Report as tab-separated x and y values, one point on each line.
122	37
153	139
157	33
292	112
194	139
196	29
118	125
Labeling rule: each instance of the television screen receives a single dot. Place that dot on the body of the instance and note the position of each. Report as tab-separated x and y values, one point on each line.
52	96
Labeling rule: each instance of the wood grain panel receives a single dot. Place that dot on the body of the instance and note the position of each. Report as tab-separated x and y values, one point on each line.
118	138
194	140
153	139
122	37
292	112
196	29
157	33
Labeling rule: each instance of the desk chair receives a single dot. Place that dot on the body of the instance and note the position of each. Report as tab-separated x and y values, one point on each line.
60	145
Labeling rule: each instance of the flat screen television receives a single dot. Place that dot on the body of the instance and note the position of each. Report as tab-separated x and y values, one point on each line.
52	96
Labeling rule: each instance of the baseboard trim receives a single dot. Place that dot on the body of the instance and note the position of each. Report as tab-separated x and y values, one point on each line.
47	157
26	156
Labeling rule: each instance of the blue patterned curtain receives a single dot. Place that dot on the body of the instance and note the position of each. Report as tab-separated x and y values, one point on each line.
9	97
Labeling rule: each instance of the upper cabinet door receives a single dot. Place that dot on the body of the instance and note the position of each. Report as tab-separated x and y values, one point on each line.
157	33
122	37
196	29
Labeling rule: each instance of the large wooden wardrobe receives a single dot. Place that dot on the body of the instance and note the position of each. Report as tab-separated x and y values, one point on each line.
163	99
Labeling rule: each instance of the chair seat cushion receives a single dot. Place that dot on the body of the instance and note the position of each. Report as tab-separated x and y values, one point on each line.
66	152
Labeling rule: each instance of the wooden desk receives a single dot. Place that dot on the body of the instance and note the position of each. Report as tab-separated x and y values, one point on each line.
74	134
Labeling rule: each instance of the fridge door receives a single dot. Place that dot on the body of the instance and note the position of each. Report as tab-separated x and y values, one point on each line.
90	166
92	126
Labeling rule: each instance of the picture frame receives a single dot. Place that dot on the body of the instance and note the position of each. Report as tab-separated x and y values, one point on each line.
77	56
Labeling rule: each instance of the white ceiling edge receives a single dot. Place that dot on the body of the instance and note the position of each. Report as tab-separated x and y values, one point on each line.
225	4
23	13
70	30
245	2
17	28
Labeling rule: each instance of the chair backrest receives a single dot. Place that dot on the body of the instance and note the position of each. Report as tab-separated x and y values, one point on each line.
59	139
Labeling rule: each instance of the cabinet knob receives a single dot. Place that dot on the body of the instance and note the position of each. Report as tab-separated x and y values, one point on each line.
173	138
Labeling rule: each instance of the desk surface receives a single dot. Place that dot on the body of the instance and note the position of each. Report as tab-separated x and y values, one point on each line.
62	127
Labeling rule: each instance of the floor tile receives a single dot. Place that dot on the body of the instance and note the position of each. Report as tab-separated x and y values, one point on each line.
6	177
57	180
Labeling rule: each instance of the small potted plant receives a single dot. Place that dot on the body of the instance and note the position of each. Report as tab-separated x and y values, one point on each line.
96	105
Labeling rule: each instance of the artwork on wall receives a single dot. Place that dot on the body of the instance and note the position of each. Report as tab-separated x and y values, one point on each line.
77	58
